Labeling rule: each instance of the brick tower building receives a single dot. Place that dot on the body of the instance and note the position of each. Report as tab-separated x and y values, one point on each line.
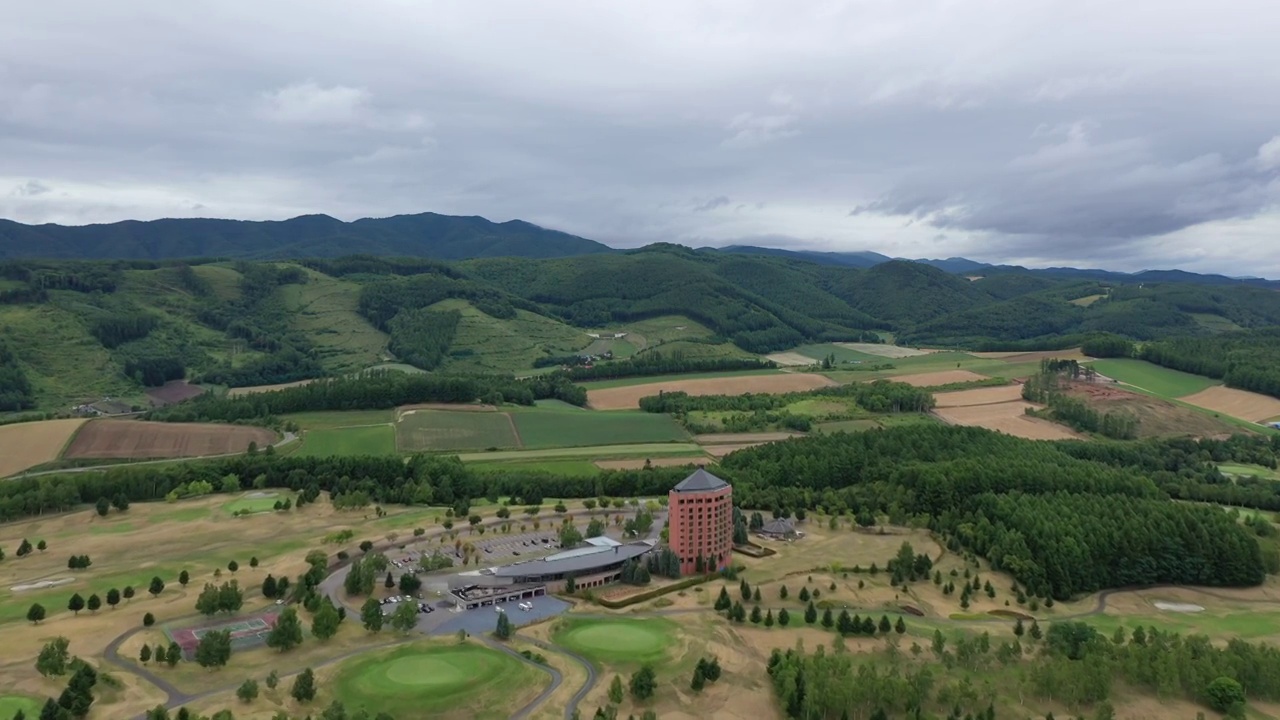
701	521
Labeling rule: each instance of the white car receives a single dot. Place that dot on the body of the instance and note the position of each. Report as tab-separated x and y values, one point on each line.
498	609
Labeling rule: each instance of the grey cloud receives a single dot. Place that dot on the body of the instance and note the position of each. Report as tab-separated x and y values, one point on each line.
31	188
605	119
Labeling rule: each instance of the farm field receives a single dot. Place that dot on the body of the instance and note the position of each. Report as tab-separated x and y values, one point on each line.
651	379
640	463
1157	417
431	430
173	391
1242	404
884	351
25	445
943	377
540	428
254	389
979	396
137	439
627	397
599	451
559	467
1152	378
330	419
367	440
1001	409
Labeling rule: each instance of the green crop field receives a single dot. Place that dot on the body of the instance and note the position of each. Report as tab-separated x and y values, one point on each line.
562	428
1153	378
330	419
325	310
372	440
427	430
647	379
559	467
622	641
422	680
600	452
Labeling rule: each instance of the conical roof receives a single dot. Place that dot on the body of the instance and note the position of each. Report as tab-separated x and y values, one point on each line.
700	481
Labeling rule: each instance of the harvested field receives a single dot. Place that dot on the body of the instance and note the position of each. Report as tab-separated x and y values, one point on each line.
1236	403
410	409
979	396
791	359
888	351
137	439
242	391
1007	417
739	438
1023	357
943	377
174	391
24	445
638	463
1156	417
628	397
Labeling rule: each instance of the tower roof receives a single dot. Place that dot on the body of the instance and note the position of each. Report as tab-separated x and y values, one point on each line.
700	481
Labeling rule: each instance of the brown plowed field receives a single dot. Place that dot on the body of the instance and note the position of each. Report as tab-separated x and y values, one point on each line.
1236	403
1006	417
25	445
136	439
979	396
628	397
174	391
638	463
943	377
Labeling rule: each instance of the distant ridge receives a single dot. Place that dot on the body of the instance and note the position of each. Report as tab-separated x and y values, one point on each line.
428	235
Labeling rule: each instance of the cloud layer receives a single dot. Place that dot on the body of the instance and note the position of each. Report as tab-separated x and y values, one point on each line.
1124	135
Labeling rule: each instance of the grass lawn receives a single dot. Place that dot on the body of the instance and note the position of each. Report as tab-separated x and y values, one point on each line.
255	504
373	440
425	430
1153	378
1249	471
11	705
429	680
540	428
330	419
621	641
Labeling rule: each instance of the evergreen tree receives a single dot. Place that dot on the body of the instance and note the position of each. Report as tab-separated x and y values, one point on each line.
35	613
723	601
756	616
784	617
643	683
156	587
287	633
616	690
214	649
113	598
324	624
885	625
94	603
810	614
172	654
371	615
304	686
503	630
900	627
248	691
768	618
76	604
184	577
827	619
144	655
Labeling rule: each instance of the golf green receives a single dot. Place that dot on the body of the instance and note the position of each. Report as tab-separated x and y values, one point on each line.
621	640
11	704
418	679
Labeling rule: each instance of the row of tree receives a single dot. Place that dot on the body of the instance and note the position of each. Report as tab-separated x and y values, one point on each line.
881	396
1244	360
657	362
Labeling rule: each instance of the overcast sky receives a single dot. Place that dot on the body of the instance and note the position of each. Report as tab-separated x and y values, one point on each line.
1126	135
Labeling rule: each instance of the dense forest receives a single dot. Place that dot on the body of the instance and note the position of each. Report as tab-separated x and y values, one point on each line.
1061	524
15	389
1244	360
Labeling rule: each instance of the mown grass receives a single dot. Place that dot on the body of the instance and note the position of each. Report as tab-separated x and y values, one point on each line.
1249	471
373	440
328	420
433	430
1159	380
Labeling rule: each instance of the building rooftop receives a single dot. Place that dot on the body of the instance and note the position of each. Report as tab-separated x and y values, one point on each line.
576	563
602	541
778	526
700	481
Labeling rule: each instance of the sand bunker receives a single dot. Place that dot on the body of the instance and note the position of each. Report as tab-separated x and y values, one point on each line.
42	585
1178	607
888	351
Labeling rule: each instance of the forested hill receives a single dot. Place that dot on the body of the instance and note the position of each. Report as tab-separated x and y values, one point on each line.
427	235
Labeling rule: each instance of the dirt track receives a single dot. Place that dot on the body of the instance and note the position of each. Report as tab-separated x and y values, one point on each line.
628	397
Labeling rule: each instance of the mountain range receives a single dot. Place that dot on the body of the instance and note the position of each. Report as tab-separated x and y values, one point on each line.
439	237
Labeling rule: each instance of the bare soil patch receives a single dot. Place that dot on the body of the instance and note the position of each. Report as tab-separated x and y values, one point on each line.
1008	417
942	377
791	359
888	351
174	391
1236	403
979	396
638	463
242	391
24	445
1156	417
723	438
627	397
137	439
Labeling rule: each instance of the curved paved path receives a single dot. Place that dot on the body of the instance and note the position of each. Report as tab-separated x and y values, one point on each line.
556	678
581	694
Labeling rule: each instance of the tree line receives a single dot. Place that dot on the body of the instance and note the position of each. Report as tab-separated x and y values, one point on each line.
16	392
658	363
1243	360
373	390
877	396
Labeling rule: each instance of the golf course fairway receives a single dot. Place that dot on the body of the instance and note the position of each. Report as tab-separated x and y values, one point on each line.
622	640
11	704
420	680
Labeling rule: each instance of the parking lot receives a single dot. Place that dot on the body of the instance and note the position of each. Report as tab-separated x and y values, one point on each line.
492	548
483	620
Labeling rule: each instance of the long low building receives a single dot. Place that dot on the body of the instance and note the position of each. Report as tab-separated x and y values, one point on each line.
590	566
